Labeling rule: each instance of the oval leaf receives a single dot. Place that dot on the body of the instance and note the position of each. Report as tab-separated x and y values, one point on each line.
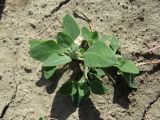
34	43
100	72
70	27
64	40
128	67
130	80
55	60
86	33
48	72
68	88
114	42
94	36
97	87
99	55
83	89
41	51
78	99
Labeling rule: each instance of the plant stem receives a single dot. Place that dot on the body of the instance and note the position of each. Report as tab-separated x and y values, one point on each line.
79	58
86	72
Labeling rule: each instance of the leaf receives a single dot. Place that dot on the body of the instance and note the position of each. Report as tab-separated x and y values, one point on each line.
95	36
74	47
41	51
64	40
83	89
127	66
115	44
48	72
41	118
79	97
130	80
70	27
97	87
99	55
100	72
34	43
82	51
86	33
68	88
55	60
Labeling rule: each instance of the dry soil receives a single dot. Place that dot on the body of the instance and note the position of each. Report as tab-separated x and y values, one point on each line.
25	96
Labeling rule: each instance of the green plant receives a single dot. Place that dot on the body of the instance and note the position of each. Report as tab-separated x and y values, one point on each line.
92	52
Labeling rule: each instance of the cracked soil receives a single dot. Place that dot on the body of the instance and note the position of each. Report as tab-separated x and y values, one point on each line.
25	96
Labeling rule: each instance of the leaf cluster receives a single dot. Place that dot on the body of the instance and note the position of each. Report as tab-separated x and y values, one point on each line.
87	47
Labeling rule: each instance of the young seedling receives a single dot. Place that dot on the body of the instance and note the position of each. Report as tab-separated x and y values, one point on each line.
94	53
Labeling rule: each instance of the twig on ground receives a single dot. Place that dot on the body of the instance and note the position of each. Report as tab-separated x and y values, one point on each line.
149	62
85	18
152	49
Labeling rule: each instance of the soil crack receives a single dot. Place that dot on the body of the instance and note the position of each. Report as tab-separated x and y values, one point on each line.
58	7
149	106
3	112
11	101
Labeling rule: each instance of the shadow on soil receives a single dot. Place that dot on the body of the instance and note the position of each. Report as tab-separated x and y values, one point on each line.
121	91
2	5
62	106
51	84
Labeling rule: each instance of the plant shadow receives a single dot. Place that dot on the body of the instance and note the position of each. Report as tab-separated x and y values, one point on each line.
121	89
121	93
52	83
88	111
2	6
63	107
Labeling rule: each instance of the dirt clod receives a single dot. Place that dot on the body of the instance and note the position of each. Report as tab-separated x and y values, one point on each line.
27	70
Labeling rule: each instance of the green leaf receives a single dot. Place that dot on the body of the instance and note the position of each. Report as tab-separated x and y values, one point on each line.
99	55
77	99
83	89
55	60
130	80
70	27
127	66
41	118
68	88
34	43
64	40
100	72
82	51
74	47
114	42
48	72
97	87
86	33
95	36
41	51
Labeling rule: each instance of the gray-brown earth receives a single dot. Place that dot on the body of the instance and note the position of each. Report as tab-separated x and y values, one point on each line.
24	96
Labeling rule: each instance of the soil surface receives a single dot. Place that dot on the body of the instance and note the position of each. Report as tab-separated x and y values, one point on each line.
24	95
